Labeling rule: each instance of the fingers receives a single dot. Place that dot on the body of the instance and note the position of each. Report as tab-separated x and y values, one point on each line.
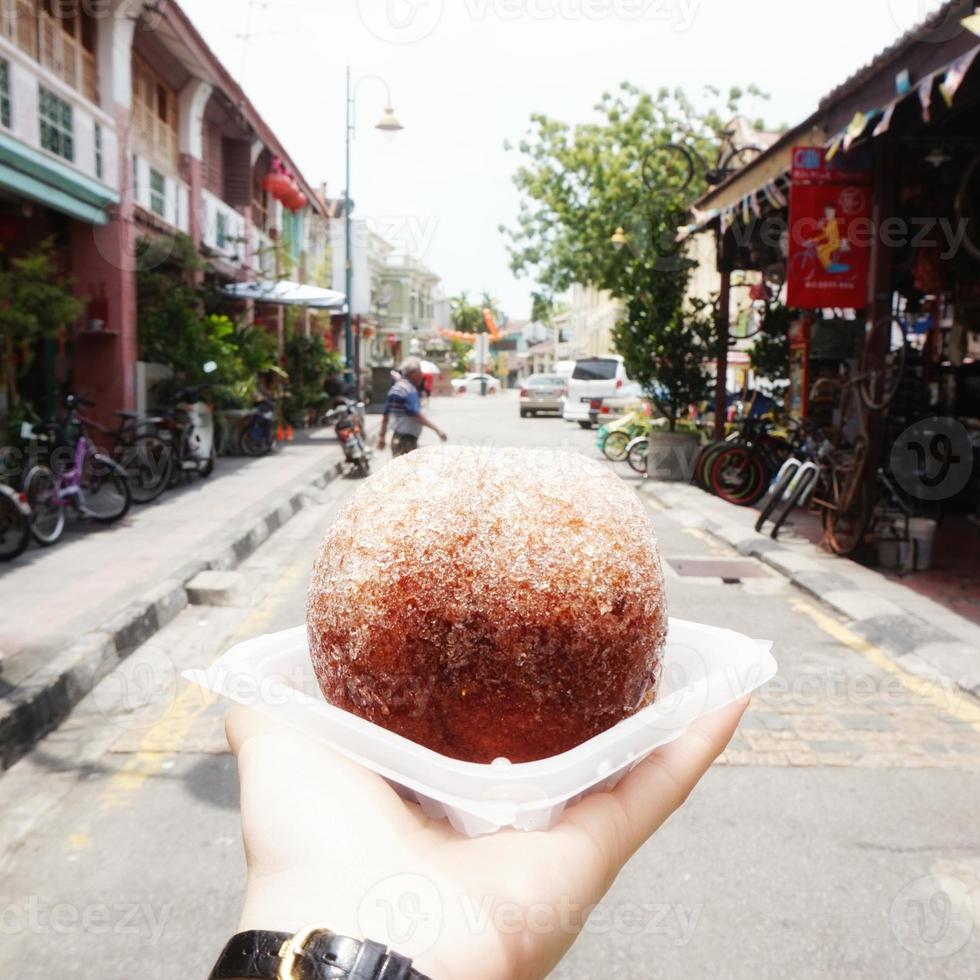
660	784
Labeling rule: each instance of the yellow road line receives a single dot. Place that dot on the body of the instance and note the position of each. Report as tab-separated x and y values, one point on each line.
189	705
949	700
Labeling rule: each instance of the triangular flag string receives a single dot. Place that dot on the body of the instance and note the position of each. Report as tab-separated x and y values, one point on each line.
956	75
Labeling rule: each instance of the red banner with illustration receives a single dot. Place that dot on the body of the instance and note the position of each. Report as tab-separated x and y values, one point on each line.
830	234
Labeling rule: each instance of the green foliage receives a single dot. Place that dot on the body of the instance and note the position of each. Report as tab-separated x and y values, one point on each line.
580	184
466	316
460	356
175	328
667	353
36	301
308	364
542	308
770	355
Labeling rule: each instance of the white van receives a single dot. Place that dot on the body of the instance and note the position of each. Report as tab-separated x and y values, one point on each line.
593	379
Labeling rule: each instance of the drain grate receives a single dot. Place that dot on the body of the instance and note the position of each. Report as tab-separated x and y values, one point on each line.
728	570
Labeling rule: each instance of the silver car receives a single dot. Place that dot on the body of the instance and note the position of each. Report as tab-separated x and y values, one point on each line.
542	393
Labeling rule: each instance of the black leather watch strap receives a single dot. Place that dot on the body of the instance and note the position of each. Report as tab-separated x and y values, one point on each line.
324	956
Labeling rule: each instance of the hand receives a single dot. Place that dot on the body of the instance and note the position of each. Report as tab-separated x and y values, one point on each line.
442	436
329	843
381	443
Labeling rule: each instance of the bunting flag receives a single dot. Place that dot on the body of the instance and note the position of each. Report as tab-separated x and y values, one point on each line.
857	126
955	76
746	211
925	98
972	23
834	147
754	205
727	217
886	121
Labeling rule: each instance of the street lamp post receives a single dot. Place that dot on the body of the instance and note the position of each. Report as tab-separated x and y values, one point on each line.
389	125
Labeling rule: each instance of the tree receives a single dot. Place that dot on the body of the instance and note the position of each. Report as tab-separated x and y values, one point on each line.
579	185
466	317
35	303
770	354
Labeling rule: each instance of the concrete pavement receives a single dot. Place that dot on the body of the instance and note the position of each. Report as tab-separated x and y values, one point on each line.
73	612
836	839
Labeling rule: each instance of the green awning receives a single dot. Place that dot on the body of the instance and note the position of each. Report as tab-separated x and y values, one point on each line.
31	174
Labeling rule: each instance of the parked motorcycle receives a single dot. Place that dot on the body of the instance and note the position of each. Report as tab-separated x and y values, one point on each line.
347	418
189	428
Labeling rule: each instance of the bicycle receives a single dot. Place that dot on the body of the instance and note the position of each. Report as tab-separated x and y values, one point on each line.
729	160
739	471
94	486
15	523
136	446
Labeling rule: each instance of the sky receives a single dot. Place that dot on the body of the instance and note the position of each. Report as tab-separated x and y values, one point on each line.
465	76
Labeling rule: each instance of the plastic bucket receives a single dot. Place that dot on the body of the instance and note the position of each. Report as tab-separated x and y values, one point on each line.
922	531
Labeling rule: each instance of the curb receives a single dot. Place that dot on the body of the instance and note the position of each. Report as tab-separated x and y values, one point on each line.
37	707
909	641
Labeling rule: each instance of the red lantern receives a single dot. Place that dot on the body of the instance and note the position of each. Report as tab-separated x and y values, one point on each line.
279	186
297	202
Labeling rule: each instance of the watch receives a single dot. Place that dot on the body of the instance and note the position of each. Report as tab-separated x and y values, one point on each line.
311	954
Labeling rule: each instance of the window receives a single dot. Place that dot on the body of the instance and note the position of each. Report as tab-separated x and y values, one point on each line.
595	369
57	133
158	193
5	111
99	162
221	233
67	44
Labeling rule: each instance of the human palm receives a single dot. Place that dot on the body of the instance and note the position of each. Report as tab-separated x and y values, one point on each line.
329	843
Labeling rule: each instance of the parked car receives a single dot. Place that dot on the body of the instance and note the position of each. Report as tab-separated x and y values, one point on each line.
472	384
542	393
593	380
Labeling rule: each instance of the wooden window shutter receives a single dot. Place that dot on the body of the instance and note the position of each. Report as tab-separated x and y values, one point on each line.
238	172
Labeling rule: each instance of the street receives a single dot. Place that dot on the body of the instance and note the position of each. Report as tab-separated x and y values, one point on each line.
835	838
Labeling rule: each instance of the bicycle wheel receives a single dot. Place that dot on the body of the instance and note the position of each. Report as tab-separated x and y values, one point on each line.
105	490
670	163
738	476
776	493
704	462
845	528
879	382
803	486
741	158
637	454
256	439
616	446
47	513
148	463
15	529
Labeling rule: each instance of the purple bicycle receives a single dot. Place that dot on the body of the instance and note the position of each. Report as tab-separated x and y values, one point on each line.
91	484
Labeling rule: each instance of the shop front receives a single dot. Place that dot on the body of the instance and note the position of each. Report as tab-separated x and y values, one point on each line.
864	222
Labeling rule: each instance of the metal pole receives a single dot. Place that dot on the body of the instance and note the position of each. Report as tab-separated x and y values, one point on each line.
350	374
721	385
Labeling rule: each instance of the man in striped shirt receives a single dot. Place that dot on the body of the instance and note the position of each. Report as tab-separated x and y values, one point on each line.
404	409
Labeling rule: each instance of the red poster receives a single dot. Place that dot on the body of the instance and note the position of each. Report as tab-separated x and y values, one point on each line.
830	234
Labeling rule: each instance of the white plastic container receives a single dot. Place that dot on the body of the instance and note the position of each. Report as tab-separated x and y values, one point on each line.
922	531
705	668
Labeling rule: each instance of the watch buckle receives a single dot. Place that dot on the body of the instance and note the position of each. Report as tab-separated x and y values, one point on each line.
293	948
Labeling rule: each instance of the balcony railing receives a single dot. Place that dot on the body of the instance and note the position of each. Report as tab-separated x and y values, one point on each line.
43	38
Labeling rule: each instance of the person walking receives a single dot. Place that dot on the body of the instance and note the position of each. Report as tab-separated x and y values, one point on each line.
404	409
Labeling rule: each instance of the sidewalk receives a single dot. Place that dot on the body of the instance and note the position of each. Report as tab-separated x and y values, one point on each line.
72	612
919	634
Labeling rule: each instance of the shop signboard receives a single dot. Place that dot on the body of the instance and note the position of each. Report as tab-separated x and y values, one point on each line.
831	233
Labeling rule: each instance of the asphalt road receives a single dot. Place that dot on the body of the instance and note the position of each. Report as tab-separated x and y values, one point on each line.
836	839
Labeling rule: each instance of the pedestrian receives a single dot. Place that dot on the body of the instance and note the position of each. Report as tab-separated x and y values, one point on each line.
404	408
